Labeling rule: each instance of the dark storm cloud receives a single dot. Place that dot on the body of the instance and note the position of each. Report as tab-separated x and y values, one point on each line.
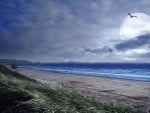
147	55
134	43
103	50
58	30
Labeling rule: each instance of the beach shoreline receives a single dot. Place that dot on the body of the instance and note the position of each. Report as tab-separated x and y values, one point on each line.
90	75
122	91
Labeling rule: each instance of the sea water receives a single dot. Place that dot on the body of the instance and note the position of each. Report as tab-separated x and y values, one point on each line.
114	70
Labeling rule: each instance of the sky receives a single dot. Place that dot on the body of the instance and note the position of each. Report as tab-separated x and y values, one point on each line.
71	31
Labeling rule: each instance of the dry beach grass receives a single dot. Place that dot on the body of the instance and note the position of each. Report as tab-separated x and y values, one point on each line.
21	94
135	94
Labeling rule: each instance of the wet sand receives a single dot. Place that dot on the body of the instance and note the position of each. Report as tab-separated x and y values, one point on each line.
128	92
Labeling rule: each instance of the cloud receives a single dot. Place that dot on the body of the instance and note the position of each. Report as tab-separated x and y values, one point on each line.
137	42
103	50
147	55
57	30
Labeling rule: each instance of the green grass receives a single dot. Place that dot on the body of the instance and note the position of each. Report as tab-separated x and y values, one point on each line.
19	94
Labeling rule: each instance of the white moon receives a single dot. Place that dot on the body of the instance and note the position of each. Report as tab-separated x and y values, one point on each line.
132	27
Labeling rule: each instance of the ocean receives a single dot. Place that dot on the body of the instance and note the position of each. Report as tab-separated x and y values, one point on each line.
131	71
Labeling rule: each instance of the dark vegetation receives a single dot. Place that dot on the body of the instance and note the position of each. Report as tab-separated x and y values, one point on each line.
19	94
13	66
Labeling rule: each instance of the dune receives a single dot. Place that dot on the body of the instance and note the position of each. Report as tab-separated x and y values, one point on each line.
131	93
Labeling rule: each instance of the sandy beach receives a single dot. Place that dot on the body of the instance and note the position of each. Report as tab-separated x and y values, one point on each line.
131	93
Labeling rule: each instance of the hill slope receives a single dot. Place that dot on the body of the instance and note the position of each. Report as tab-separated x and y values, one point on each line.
19	94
